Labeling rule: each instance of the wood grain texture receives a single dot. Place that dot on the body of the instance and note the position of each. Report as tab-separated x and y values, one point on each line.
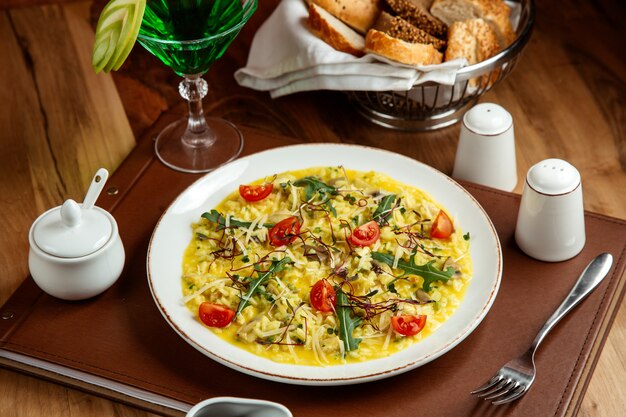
60	122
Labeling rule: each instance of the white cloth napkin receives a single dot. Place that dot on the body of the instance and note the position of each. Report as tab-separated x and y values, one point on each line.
286	58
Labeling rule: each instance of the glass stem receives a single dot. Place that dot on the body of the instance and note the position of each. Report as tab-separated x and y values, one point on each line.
198	134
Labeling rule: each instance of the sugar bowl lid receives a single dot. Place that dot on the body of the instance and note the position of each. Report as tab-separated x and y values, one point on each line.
74	230
71	231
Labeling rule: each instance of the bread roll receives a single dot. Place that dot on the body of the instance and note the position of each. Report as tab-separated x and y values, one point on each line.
474	40
419	17
358	14
334	32
494	12
397	27
398	50
422	3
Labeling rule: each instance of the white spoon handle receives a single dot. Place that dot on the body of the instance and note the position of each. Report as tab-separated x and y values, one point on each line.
95	188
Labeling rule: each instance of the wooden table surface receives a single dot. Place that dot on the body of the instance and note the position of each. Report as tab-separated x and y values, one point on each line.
59	122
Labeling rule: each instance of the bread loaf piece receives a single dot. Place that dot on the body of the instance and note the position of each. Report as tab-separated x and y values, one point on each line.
419	17
398	50
474	40
422	3
397	27
358	14
494	12
334	32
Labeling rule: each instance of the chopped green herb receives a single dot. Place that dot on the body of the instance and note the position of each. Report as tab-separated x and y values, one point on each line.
313	186
261	279
350	199
466	236
216	217
245	258
347	322
428	272
383	211
201	236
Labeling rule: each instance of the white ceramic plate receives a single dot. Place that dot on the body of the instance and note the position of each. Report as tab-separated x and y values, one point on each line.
173	233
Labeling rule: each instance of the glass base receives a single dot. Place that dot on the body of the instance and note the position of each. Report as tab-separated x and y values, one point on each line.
225	146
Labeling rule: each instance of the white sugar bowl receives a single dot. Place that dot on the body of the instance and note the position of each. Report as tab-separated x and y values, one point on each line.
75	249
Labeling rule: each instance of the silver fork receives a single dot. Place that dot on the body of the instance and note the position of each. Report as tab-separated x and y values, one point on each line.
515	378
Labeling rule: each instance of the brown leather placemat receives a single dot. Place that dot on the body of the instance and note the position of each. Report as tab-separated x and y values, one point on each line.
121	337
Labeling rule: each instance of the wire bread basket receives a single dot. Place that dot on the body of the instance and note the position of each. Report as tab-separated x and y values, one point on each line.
431	106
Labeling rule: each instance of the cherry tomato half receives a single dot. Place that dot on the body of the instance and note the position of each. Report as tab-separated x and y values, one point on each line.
366	234
323	297
285	231
442	226
255	192
215	315
408	325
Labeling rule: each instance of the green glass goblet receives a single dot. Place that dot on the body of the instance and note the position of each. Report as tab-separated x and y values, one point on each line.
189	36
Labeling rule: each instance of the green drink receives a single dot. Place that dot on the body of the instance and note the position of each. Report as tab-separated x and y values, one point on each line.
189	35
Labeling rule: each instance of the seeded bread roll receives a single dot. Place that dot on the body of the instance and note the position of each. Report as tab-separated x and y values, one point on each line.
334	32
401	51
473	39
358	14
494	12
399	28
419	17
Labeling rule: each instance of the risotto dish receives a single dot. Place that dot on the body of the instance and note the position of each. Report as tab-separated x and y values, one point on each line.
326	266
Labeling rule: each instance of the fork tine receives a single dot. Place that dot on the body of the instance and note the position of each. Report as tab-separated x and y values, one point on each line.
493	381
504	390
496	388
512	395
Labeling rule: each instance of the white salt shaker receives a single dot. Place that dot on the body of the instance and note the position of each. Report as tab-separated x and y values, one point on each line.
486	150
551	221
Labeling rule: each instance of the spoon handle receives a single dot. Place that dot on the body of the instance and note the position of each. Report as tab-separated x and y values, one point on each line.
95	188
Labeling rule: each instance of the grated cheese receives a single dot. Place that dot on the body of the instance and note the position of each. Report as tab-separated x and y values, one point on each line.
251	228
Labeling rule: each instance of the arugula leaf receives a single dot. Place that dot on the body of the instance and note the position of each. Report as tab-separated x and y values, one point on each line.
313	185
347	323
383	211
262	277
215	216
427	271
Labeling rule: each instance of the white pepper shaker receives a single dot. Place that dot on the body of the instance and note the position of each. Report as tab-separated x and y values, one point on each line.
486	150
551	221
